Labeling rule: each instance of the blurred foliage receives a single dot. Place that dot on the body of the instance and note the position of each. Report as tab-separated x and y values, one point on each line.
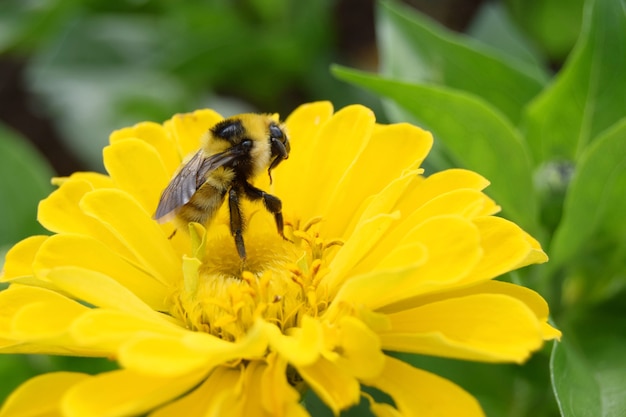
100	65
553	24
25	180
531	96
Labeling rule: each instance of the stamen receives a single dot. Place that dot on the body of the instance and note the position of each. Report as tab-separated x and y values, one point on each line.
331	243
311	223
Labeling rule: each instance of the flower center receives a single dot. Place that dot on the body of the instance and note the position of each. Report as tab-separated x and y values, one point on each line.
280	281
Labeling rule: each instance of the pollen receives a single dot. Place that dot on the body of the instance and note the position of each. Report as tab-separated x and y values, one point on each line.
280	281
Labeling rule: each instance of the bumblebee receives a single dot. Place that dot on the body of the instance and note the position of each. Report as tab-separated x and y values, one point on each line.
233	152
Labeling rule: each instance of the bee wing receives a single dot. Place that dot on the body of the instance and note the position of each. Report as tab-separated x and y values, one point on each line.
182	187
188	180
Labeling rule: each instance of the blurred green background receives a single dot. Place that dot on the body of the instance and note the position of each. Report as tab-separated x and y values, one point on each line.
500	75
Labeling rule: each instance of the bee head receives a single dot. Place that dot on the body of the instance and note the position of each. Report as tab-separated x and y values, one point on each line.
280	146
278	137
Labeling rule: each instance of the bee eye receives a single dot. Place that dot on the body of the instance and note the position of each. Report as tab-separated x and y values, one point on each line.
275	132
246	144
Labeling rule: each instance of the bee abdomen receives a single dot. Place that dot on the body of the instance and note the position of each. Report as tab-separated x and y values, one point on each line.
203	205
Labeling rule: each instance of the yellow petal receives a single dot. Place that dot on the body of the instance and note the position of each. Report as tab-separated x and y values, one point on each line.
303	128
45	319
19	259
279	397
449	260
333	385
88	253
384	410
165	356
532	299
414	229
333	153
41	395
188	128
36	320
109	329
60	213
141	235
549	332
366	235
54	346
380	203
145	179
441	263
156	136
360	350
260	396
8	345
506	247
172	356
418	393
305	120
202	398
94	179
231	400
98	289
250	402
466	202
18	266
241	393
123	393
486	327
372	290
228	399
32	312
15	297
300	348
535	255
440	183
372	173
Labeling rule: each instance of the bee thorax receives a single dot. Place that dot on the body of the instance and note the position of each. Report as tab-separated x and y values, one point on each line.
260	155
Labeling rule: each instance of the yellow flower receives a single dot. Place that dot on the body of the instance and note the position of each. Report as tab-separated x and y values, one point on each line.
379	258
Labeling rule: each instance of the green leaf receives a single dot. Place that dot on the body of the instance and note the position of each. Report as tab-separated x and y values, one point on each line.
24	180
14	370
553	24
596	202
492	26
478	137
589	95
416	50
24	25
589	367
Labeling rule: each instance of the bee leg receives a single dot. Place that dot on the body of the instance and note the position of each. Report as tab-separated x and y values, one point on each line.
236	222
271	203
